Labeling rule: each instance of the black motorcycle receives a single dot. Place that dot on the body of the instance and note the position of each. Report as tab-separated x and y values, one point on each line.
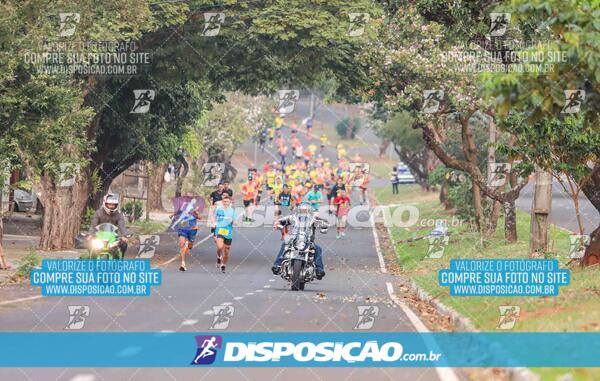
298	265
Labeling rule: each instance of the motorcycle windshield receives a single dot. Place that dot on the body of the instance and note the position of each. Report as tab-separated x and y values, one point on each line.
107	228
302	225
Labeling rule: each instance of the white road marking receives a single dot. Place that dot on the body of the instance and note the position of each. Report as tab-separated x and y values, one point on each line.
208	312
226	304
83	377
271	280
249	293
238	298
258	290
446	374
189	322
177	256
376	238
21	300
267	286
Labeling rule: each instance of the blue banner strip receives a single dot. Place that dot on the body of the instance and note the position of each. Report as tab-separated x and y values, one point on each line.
299	349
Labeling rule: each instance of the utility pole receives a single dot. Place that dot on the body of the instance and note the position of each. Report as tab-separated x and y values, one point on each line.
540	212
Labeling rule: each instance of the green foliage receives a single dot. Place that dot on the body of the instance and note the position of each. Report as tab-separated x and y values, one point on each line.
26	264
399	129
342	127
133	209
573	33
86	220
148	227
460	196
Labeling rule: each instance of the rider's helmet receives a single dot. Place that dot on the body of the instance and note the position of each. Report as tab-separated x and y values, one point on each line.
110	203
304	209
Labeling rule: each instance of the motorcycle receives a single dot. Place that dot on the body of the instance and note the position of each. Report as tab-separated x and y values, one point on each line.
298	265
104	243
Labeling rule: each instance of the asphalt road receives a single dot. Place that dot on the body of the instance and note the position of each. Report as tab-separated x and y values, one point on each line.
262	303
563	211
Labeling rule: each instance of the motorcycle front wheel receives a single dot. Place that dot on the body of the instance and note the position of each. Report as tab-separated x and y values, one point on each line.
297	281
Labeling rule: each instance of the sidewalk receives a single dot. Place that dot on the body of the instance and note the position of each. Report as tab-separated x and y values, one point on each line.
16	247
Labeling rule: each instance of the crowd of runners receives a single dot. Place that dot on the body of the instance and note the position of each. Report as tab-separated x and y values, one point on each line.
302	174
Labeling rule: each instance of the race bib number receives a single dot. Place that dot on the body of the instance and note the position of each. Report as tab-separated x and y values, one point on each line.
223	231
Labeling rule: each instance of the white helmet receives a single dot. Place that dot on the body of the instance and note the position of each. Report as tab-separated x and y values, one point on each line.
110	203
304	209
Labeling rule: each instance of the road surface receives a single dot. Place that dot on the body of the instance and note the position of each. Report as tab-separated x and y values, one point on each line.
262	303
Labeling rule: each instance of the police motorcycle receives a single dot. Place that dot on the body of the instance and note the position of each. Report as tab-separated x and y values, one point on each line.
298	264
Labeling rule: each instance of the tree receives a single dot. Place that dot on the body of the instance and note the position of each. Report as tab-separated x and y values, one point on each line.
261	48
541	97
402	131
409	61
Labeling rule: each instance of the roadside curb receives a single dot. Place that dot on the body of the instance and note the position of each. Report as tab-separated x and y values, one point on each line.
458	321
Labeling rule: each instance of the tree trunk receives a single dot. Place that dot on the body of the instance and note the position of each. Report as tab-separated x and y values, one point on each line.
540	212
477	203
383	147
63	210
510	222
592	191
492	221
3	263
444	196
156	178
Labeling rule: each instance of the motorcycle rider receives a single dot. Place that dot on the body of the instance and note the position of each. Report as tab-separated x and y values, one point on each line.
303	213
109	213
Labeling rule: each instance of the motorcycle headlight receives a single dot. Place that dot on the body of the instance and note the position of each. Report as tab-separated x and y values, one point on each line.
300	245
97	244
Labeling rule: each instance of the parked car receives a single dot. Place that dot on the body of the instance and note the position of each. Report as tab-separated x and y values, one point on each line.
403	174
23	200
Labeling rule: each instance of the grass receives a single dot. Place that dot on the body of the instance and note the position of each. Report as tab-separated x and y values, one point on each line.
576	308
148	227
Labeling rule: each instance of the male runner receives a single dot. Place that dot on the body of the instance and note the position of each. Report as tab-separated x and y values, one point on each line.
223	221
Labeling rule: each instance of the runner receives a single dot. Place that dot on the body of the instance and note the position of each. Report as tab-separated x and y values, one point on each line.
186	224
309	126
342	204
217	194
314	196
285	204
223	221
249	198
226	189
323	140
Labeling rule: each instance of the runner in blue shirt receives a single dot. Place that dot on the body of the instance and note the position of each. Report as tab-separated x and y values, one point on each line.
224	219
314	197
185	222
